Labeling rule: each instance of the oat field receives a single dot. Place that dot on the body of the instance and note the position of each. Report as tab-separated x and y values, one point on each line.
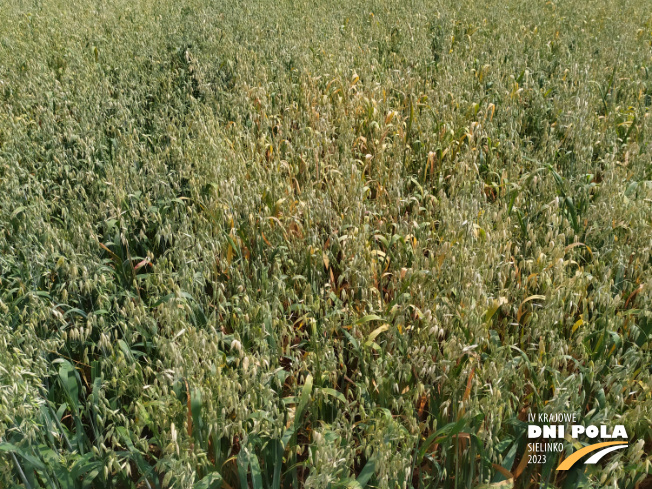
284	245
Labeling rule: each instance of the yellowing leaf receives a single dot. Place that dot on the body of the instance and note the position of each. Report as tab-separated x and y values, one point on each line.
376	332
577	324
494	307
533	297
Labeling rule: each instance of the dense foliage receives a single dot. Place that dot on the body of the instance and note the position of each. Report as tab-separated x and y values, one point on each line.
322	244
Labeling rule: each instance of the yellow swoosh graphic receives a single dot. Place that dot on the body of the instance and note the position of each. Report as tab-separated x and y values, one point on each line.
570	461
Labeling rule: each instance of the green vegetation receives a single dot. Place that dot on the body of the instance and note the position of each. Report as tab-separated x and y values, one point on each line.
322	244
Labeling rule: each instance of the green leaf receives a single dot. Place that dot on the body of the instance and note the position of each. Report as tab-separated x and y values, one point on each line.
256	477
446	431
332	392
524	356
243	468
196	405
278	452
351	339
126	350
18	210
76	311
350	484
303	401
366	473
68	378
35	462
573	213
370	317
164	299
211	481
84	464
287	434
508	461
